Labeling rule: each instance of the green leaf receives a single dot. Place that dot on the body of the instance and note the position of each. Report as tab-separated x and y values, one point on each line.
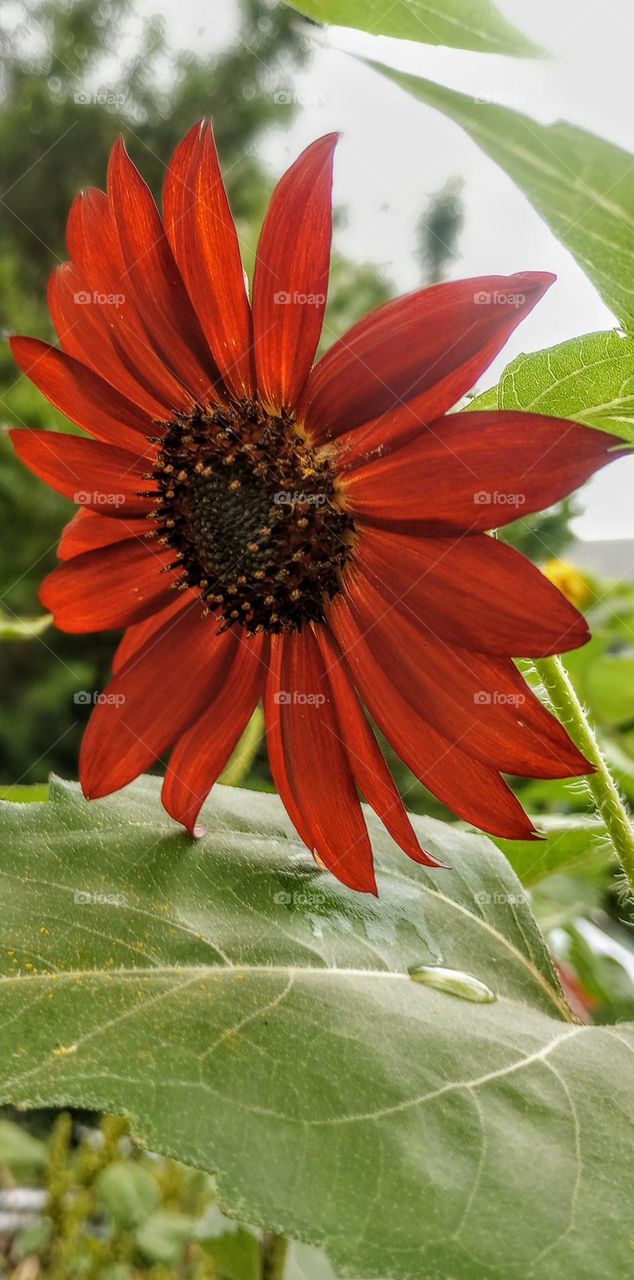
581	185
485	400
255	1018
19	1150
161	1238
25	793
461	24
236	1252
604	680
128	1192
573	842
589	379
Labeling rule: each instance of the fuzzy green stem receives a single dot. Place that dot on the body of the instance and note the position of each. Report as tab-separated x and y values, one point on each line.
610	806
273	1256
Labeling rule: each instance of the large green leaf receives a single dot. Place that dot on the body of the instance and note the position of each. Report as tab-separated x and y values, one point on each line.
461	24
254	1017
581	185
588	379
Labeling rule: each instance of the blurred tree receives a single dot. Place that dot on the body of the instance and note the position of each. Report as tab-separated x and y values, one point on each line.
66	98
438	231
74	74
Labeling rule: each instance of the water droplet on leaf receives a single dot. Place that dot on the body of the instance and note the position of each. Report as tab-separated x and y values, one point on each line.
453	981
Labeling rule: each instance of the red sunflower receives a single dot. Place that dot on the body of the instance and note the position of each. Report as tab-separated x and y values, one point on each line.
311	535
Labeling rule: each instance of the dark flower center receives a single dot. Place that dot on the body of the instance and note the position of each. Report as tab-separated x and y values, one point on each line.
250	508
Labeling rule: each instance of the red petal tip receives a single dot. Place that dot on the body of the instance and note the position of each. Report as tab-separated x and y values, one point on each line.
540	280
15	344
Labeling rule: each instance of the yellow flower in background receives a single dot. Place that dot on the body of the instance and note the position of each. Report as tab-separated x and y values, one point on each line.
574	585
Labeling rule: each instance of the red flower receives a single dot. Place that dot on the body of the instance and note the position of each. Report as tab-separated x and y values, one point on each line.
315	536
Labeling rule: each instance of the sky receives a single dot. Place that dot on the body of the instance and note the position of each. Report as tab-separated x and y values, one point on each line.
394	153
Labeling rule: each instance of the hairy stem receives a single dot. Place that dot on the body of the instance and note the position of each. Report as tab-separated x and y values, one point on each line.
610	806
273	1256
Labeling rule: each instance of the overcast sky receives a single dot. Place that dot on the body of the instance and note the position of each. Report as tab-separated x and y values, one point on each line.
395	152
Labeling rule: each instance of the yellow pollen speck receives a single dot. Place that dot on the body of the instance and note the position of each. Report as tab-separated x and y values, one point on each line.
64	1050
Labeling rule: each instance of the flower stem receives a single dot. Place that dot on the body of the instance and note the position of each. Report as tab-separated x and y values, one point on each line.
240	763
610	806
273	1256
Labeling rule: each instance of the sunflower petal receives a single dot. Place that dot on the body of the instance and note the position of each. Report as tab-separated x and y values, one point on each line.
291	275
99	476
87	333
82	395
369	768
90	531
202	753
204	241
108	589
480	701
472	790
472	591
158	290
422	352
136	636
95	248
316	777
479	471
152	702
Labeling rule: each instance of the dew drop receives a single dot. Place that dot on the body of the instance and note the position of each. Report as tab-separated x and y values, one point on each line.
453	981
